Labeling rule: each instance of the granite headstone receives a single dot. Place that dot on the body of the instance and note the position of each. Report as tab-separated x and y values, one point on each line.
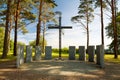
100	55
72	52
28	54
48	52
82	54
20	55
91	53
37	53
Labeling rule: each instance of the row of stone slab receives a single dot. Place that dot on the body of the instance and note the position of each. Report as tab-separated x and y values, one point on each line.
72	52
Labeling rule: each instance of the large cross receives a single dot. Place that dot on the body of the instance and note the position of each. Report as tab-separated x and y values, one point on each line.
60	28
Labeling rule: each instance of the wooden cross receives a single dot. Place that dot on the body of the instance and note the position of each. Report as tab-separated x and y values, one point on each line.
60	28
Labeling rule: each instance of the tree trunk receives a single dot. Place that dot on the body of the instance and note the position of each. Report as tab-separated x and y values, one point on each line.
7	34
39	24
87	37
87	25
16	26
116	26
102	23
114	29
44	29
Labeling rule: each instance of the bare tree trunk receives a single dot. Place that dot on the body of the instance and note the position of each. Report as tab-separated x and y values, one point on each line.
87	37
102	23
114	29
87	25
115	3
39	24
44	36
87	28
16	26
7	34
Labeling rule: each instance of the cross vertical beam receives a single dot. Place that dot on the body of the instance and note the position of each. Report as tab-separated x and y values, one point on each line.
60	41
60	30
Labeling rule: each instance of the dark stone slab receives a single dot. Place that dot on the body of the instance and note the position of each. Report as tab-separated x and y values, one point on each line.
100	55
28	54
20	55
98	52
82	54
48	52
37	53
91	53
72	52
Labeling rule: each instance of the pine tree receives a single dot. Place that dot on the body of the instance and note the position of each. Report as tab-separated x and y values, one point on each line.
112	4
7	33
85	15
47	16
17	13
25	14
110	32
41	3
114	29
22	13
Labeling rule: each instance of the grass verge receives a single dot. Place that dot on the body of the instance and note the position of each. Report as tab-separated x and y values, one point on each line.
10	57
107	57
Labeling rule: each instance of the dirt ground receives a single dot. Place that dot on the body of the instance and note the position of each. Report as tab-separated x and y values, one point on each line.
8	71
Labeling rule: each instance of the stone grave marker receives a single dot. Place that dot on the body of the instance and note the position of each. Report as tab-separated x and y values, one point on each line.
91	53
82	54
48	52
37	53
98	52
100	55
28	54
72	52
20	55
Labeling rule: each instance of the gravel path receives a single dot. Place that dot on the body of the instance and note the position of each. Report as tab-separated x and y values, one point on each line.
64	68
59	70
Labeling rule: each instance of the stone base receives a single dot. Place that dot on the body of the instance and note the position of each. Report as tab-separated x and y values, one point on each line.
59	59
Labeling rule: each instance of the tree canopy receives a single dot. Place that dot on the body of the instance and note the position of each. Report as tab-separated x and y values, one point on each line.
84	16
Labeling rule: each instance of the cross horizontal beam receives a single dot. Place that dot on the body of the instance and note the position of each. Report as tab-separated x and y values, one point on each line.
62	27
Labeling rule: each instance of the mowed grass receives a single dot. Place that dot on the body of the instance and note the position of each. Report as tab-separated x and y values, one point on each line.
10	57
107	57
110	58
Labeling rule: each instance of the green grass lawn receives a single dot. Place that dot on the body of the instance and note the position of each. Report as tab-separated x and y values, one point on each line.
10	57
108	57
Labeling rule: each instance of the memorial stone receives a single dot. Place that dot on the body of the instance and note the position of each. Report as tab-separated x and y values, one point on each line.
20	55
91	53
37	53
72	52
48	52
28	54
82	54
98	52
100	55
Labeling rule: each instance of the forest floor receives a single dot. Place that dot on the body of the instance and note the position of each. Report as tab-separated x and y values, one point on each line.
59	70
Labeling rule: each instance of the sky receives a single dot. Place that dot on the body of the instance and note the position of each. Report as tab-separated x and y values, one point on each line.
72	37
